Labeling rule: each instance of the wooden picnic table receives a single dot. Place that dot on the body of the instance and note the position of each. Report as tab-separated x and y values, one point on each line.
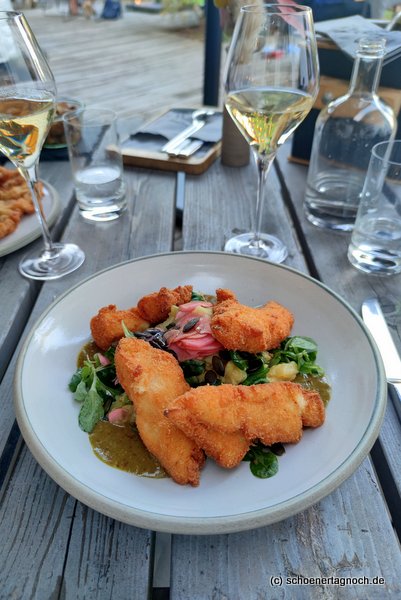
53	546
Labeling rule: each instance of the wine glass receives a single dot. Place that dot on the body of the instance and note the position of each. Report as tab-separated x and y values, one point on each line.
27	104
271	82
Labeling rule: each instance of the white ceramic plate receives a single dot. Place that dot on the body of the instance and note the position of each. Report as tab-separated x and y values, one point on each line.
29	227
226	500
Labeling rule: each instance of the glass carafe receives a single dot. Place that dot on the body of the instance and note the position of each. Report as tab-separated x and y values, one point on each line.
345	132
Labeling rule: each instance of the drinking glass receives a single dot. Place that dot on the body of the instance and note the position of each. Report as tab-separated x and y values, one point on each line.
375	246
27	104
96	162
271	82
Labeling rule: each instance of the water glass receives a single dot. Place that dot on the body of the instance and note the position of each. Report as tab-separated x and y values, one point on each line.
375	246
96	162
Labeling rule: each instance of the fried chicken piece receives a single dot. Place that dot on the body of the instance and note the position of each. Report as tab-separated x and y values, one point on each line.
152	378
156	307
23	204
106	327
226	448
240	327
269	412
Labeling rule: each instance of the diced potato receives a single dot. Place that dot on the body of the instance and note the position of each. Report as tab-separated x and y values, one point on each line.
203	310
283	372
174	310
171	318
234	375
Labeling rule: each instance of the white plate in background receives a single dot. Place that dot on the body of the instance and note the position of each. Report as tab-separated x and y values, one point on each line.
29	228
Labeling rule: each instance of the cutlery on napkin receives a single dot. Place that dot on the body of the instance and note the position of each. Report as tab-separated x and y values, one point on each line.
171	124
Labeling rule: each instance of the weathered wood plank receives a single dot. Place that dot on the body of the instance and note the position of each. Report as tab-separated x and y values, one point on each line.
35	523
107	559
223	200
335	538
53	546
131	64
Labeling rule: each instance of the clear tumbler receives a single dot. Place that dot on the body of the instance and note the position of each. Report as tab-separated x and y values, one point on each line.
375	246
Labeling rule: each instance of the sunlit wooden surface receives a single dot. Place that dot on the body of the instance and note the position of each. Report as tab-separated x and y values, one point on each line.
135	65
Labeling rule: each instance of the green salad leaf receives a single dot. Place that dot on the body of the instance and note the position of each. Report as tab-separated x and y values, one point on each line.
263	461
239	360
197	296
94	386
255	366
302	350
91	412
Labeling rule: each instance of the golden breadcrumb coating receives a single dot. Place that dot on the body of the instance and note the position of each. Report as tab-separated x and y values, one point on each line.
152	378
269	412
156	307
106	327
15	200
240	327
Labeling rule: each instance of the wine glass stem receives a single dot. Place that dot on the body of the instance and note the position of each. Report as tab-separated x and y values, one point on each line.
31	176
263	167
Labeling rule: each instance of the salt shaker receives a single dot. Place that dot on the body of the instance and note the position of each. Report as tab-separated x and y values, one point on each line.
345	132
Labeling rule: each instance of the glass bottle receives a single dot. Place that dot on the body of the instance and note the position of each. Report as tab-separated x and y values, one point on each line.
345	132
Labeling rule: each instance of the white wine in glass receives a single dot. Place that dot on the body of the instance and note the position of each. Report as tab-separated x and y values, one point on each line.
27	104
271	82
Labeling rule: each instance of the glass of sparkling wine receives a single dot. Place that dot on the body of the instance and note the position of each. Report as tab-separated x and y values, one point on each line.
27	104
271	81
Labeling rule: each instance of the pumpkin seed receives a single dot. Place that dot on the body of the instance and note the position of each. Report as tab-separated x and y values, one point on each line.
190	324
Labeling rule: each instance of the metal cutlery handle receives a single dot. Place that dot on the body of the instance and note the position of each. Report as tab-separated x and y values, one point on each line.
172	145
187	150
373	316
395	391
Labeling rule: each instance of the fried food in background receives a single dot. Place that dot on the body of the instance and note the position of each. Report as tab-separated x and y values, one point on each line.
152	378
269	412
15	200
106	327
56	135
240	327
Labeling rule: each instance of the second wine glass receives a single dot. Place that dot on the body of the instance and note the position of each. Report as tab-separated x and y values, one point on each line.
271	82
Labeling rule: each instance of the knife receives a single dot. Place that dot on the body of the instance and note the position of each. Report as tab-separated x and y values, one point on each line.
374	319
199	119
187	148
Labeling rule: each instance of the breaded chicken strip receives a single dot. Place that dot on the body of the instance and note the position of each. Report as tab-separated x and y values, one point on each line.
106	327
152	309
227	449
152	378
269	412
156	307
240	327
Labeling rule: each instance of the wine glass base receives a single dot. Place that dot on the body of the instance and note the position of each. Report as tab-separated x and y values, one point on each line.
266	246
63	259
